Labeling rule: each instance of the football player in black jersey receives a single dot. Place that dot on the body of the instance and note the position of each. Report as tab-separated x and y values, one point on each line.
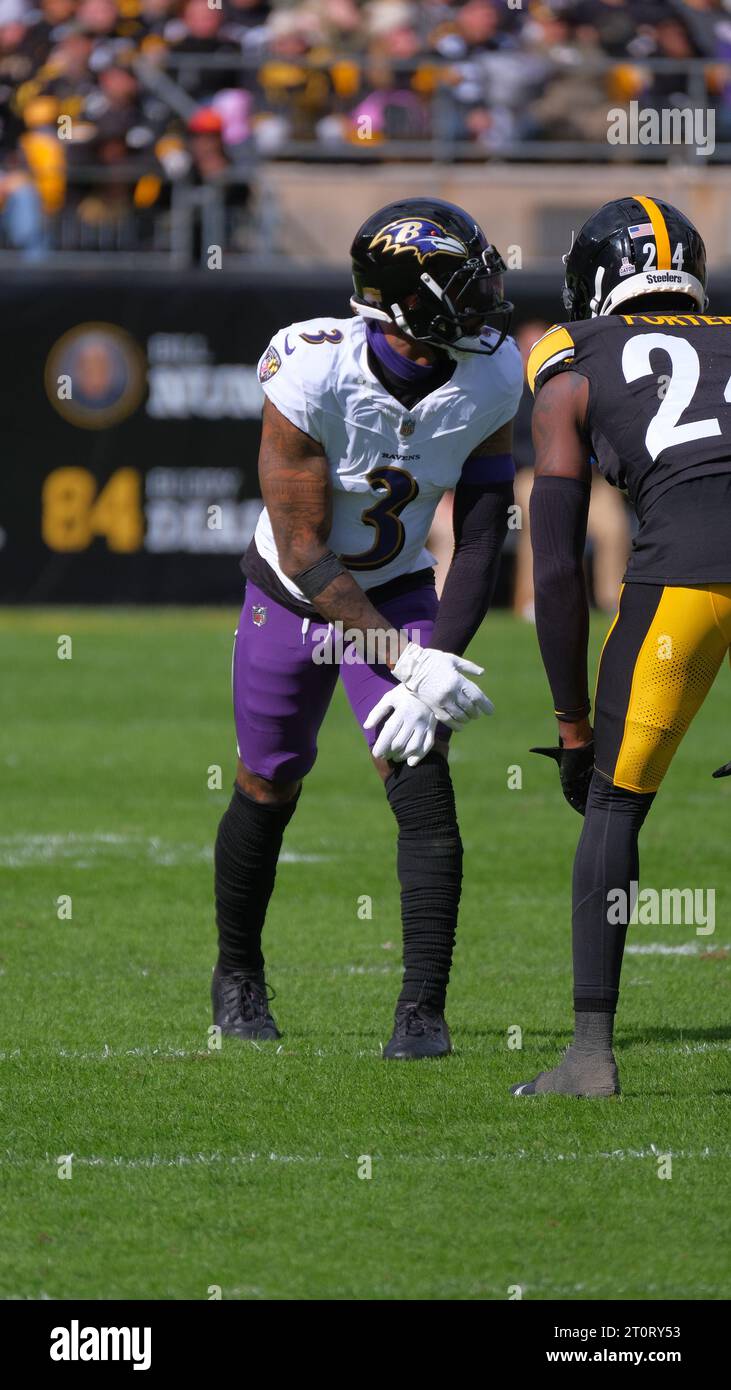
640	379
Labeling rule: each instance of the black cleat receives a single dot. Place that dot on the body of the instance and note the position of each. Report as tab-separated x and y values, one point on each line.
418	1032
241	1006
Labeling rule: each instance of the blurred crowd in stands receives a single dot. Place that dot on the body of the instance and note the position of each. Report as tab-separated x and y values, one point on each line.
107	105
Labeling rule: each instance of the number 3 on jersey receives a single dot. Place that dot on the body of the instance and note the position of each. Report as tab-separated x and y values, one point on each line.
663	431
399	488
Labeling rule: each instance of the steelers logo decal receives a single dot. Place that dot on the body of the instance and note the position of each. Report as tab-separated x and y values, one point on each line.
95	375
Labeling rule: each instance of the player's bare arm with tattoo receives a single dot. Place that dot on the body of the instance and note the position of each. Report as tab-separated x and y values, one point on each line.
297	491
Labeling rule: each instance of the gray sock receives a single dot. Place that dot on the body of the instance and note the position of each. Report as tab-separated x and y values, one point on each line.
587	1068
581	1074
593	1032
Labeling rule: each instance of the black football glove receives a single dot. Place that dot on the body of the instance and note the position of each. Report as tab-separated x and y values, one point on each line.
575	768
724	771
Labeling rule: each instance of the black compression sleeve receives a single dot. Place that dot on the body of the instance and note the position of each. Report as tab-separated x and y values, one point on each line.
558	512
480	525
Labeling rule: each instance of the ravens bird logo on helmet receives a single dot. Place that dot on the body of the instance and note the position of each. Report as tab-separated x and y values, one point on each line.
426	267
422	239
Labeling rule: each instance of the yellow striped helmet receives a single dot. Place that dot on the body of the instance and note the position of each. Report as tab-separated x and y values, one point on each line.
631	247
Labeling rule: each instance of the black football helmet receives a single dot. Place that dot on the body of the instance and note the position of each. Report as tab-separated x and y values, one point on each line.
631	247
427	267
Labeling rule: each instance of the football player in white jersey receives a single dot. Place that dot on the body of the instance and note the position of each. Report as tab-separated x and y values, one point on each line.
367	421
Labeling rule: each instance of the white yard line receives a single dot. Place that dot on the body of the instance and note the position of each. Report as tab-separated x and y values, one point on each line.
532	1290
217	1159
79	850
107	1053
688	948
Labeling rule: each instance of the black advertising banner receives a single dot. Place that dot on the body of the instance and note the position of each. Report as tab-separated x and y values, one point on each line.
130	414
130	429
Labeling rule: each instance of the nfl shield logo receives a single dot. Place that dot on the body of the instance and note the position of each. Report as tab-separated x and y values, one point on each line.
258	614
406	427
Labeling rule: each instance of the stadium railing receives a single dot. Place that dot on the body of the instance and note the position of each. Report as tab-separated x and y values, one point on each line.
192	216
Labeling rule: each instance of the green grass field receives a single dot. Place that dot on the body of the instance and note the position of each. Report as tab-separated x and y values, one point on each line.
239	1169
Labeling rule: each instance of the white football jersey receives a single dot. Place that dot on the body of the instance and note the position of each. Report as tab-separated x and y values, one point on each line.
389	466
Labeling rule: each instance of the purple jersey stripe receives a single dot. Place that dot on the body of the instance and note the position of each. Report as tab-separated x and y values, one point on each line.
488	468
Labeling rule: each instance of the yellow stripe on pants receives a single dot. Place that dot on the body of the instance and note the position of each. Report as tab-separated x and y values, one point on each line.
676	666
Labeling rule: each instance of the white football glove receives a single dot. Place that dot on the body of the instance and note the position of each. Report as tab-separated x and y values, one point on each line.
410	727
438	678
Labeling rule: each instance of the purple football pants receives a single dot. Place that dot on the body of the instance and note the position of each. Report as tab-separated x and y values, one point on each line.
281	694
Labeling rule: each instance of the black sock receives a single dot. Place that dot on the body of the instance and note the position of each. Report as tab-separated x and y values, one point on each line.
247	849
607	859
430	874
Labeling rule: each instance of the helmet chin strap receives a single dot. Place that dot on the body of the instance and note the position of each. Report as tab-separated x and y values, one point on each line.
596	302
369	311
395	318
459	351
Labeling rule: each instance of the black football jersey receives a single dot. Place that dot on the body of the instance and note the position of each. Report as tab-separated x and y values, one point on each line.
659	415
659	394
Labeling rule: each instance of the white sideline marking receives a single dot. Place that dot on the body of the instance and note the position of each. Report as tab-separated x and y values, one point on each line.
30	1297
25	851
365	969
299	1049
207	1160
107	1051
290	856
661	1290
689	948
252	1291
